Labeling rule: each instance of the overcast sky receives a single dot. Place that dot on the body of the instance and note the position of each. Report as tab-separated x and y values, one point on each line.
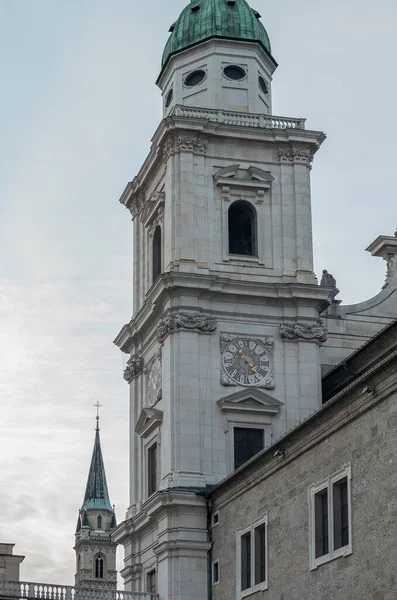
78	106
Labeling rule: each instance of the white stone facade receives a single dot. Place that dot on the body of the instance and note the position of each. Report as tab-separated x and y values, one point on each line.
183	403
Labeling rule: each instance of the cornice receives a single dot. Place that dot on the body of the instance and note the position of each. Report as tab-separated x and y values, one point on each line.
211	286
178	133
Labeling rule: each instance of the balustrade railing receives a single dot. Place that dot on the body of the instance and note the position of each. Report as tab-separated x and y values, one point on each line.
238	118
48	591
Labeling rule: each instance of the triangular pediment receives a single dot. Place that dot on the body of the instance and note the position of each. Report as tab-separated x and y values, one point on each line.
148	420
250	400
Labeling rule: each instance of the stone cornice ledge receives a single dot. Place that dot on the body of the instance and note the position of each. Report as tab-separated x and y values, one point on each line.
196	132
286	294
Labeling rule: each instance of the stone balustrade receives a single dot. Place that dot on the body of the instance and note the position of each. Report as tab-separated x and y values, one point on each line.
238	118
48	591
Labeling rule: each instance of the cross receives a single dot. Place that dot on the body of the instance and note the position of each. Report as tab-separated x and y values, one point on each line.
97	406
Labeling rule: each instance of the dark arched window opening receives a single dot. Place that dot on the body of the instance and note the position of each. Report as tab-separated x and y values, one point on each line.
99	522
156	252
99	567
242	229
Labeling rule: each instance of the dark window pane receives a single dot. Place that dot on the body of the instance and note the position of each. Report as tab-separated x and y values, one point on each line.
99	567
341	513
152	469
156	253
247	443
321	523
242	229
215	573
99	522
151	585
260	554
246	561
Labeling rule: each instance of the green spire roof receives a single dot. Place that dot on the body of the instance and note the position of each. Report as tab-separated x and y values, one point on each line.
204	19
96	492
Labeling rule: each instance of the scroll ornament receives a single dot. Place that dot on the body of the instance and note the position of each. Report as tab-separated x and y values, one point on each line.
315	333
134	368
183	143
175	322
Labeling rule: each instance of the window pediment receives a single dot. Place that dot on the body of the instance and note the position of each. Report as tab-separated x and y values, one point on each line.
250	401
149	419
152	208
251	177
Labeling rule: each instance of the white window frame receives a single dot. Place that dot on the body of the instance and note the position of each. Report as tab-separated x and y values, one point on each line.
313	490
216	562
216	514
264	584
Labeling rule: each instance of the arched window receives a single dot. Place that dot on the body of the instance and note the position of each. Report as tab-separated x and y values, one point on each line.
99	522
99	567
156	253
242	229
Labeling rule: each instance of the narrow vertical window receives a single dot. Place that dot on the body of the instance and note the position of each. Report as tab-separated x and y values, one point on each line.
252	559
247	443
330	518
152	469
246	561
215	572
151	582
341	513
260	553
157	259
321	522
99	524
99	567
242	229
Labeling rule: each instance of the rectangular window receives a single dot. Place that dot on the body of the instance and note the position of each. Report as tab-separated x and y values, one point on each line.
215	519
330	518
252	568
152	469
151	582
247	443
215	572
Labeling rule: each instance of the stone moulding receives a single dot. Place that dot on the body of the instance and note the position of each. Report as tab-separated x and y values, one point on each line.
292	154
134	368
178	321
184	143
310	333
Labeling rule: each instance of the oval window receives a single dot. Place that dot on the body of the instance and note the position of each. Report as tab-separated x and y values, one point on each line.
169	97
195	78
234	72
263	85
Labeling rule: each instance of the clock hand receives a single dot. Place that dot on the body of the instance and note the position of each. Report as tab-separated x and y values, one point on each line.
248	362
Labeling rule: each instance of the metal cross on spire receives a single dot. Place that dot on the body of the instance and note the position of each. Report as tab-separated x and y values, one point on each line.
97	406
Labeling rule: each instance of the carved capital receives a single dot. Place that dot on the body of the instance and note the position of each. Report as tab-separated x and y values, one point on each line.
184	143
177	321
134	368
292	154
391	265
310	333
136	204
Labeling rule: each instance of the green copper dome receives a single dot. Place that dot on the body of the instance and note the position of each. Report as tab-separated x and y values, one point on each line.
204	19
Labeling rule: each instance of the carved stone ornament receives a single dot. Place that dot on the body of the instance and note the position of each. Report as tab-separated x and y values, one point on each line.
328	280
154	381
291	154
136	204
134	368
247	361
175	322
184	143
315	333
158	220
391	265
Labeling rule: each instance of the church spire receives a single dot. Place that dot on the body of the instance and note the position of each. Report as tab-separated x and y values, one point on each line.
96	492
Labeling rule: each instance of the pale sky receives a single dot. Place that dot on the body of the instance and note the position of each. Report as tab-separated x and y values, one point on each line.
78	107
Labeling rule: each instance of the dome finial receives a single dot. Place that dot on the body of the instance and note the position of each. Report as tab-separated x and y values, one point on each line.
97	406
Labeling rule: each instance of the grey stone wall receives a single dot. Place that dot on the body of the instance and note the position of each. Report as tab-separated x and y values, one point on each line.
360	429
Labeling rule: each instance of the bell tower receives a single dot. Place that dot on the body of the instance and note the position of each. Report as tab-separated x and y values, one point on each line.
223	346
95	550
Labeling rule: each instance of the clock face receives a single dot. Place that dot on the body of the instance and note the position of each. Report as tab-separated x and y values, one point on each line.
246	362
154	382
